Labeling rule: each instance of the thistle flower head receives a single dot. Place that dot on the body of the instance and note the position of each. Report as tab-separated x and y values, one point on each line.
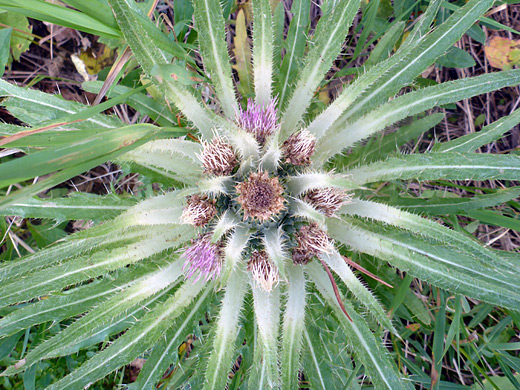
328	200
218	157
203	258
299	148
263	272
199	210
312	241
258	119
260	196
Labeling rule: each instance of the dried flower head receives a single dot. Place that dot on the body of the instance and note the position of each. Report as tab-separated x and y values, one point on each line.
203	258
199	210
327	200
260	196
258	119
218	157
263	272
311	242
299	148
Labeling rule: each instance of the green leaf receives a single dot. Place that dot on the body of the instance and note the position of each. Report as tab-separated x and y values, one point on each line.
437	205
494	218
42	282
456	58
306	181
340	267
5	41
327	363
274	243
446	266
386	44
426	228
262	50
212	40
157	110
203	118
42	10
438	340
95	150
265	373
295	46
160	48
72	245
369	350
380	146
97	9
233	252
471	142
220	359
384	80
293	326
422	27
135	341
327	44
166	351
76	206
109	144
173	158
19	42
143	37
433	166
242	53
410	104
484	19
72	302
45	107
99	333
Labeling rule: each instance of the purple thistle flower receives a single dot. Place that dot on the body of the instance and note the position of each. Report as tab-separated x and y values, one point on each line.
258	119
203	258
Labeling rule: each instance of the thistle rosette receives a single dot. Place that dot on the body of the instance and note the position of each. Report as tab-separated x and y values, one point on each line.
262	203
259	200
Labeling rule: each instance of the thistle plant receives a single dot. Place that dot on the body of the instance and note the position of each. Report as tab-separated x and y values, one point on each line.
263	205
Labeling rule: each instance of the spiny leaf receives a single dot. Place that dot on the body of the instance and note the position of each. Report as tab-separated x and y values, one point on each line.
327	46
369	350
135	341
293	326
433	166
219	363
211	29
76	206
445	265
262	50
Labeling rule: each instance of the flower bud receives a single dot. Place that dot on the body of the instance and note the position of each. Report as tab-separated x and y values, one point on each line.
312	241
327	200
263	272
203	259
218	157
258	119
299	148
199	210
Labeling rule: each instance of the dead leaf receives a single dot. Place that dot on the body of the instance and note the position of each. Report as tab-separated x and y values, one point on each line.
242	53
95	60
503	53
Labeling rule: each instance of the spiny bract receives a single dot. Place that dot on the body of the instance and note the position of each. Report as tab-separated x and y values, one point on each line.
239	254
